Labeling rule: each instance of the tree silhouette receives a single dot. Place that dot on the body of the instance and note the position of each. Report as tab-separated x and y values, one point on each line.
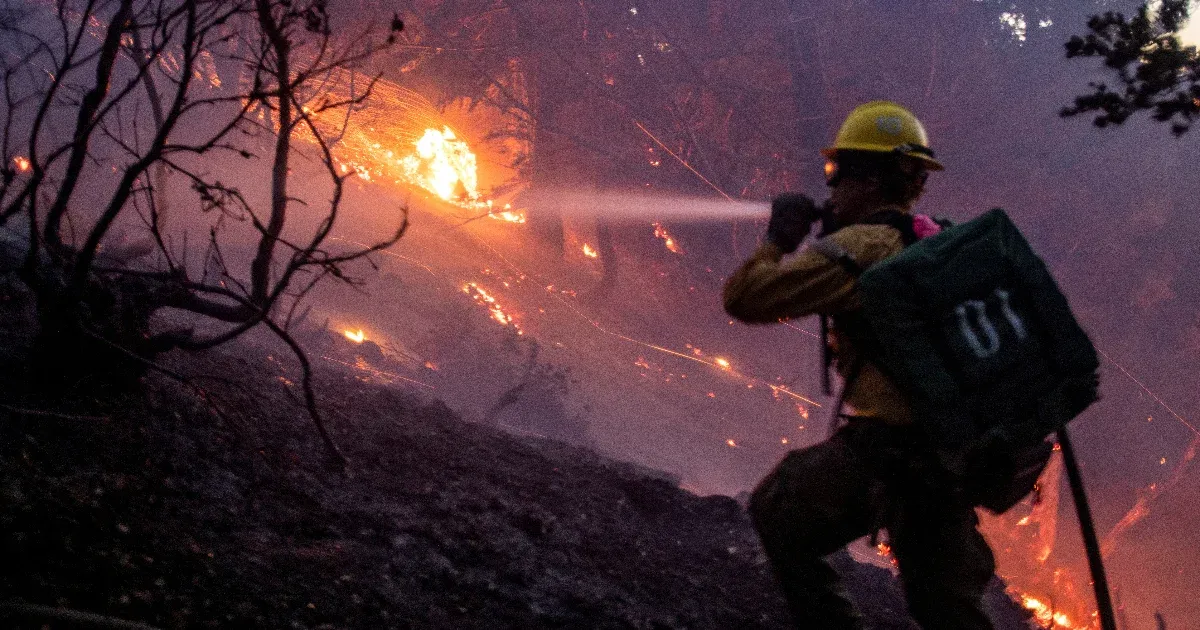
1153	70
80	157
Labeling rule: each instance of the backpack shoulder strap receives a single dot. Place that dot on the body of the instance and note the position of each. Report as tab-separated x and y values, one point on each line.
898	220
830	249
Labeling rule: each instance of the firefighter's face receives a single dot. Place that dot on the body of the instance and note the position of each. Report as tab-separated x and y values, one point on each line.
857	193
852	197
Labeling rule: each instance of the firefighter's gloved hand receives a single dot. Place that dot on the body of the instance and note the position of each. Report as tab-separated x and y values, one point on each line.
792	216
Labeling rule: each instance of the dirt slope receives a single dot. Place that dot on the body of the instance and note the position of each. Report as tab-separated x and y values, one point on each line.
156	509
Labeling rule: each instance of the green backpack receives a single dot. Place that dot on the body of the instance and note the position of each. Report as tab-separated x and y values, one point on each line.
970	324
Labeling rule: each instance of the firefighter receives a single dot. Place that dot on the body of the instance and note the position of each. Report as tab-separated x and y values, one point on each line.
877	471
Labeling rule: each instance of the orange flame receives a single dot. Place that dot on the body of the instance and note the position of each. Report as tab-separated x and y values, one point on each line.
480	295
444	165
589	252
511	217
401	139
507	214
1047	615
357	336
22	163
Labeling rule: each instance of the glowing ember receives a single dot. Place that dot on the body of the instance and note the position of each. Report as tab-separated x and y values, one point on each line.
731	443
724	363
21	163
661	232
361	364
357	336
444	165
480	295
507	214
589	252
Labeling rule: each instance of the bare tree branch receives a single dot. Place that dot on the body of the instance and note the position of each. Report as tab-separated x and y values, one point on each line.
69	616
144	102
310	398
86	120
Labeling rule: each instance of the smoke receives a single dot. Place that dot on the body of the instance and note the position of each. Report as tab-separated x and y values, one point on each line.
625	206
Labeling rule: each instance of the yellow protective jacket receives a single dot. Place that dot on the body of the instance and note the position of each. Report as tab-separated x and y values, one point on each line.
767	289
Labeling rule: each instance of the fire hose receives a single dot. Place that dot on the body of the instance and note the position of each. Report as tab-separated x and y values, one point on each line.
1091	543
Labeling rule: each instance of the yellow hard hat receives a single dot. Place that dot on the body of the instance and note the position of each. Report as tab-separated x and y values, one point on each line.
884	127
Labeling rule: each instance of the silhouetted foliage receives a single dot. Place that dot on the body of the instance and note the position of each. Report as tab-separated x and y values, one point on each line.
1153	69
67	198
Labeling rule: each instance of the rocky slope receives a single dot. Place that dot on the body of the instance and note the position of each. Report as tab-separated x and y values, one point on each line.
211	504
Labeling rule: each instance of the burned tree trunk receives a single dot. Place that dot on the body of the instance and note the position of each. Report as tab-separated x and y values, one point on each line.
549	151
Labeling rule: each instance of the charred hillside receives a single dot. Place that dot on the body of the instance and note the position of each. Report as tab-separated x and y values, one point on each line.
210	504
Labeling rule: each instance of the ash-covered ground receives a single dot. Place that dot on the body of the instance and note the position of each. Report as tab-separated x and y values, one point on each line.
211	505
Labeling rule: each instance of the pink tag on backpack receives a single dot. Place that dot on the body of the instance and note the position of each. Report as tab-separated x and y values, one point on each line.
924	226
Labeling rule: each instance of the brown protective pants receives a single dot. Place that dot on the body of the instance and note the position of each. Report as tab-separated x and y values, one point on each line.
819	499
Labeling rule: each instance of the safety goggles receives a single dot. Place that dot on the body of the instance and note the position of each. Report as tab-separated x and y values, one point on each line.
834	171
